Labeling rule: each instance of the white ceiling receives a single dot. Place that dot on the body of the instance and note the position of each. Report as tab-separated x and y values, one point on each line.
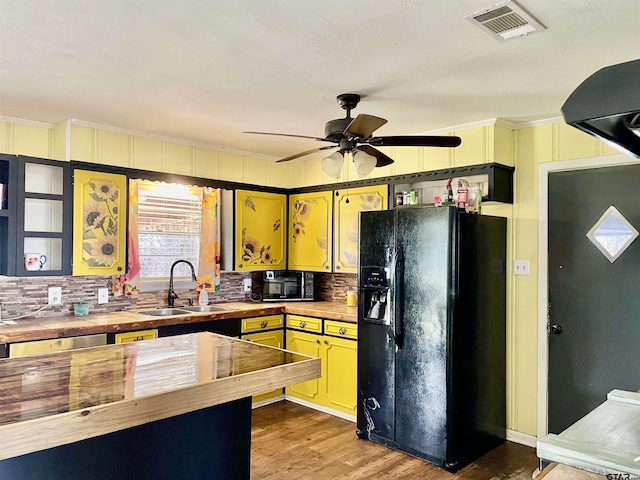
204	71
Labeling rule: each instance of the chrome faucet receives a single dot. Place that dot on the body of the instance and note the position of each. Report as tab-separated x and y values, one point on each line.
172	295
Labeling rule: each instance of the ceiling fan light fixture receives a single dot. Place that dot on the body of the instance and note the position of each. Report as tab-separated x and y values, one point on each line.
332	165
363	163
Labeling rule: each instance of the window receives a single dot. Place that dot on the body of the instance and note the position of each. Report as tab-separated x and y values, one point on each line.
168	229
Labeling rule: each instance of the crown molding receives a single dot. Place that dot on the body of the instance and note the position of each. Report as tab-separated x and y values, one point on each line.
31	123
135	133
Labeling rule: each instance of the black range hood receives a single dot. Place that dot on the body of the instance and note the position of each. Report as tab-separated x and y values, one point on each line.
607	106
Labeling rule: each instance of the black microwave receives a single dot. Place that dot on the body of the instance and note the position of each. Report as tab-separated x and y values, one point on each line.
280	286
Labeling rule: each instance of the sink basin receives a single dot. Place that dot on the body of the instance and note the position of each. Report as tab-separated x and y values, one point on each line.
164	312
204	308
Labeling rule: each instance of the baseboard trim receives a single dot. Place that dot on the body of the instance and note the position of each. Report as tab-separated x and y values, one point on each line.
268	401
521	438
330	411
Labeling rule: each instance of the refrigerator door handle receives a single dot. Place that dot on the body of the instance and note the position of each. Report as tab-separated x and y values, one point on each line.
399	298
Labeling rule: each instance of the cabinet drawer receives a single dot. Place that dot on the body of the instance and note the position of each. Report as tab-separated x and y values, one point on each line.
267	322
308	324
136	336
341	329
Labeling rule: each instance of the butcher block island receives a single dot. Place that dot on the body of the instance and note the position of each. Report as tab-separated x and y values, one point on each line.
173	407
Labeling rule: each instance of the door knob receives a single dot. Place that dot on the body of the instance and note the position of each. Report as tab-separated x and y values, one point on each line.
555	329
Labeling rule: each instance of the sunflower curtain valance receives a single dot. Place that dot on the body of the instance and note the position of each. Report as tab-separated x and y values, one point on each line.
170	219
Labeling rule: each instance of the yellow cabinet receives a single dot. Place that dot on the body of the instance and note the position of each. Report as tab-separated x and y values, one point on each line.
336	387
310	224
347	204
265	322
260	231
127	337
307	344
99	228
339	374
273	338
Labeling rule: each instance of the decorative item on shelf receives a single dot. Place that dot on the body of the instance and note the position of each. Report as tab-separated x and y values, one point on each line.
474	200
448	192
399	198
437	201
413	197
34	261
463	191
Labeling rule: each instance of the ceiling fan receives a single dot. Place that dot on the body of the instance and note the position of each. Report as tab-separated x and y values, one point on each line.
355	136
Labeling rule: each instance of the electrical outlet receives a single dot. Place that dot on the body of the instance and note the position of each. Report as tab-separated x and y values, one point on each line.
103	295
521	267
55	295
246	284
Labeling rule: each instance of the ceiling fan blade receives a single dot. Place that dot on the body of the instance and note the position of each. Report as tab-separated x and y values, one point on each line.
416	141
289	135
308	152
383	160
363	126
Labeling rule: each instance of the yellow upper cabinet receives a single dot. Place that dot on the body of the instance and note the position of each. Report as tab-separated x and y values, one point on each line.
310	226
260	231
99	228
348	203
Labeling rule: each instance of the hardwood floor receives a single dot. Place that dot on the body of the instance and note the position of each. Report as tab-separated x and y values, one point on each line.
290	442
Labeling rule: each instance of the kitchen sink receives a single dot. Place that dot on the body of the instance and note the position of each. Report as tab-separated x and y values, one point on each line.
164	312
204	308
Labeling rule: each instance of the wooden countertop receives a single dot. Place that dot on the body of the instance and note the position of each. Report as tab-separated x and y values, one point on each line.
60	398
114	322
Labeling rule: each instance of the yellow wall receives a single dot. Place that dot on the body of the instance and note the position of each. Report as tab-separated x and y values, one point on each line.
524	148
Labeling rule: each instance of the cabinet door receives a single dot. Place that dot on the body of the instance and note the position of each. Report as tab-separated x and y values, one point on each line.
307	344
347	204
99	228
43	217
339	374
274	338
260	231
310	239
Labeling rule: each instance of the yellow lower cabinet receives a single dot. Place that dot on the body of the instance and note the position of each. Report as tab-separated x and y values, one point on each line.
307	344
339	374
336	388
273	338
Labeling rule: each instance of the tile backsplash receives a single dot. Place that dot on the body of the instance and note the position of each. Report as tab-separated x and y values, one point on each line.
28	295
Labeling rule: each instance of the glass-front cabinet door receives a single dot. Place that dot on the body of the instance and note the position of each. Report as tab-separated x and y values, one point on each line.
43	217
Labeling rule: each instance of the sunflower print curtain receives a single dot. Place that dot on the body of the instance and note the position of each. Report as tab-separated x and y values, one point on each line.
129	283
209	261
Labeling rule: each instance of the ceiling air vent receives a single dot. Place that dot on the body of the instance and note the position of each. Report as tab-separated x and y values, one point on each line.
505	20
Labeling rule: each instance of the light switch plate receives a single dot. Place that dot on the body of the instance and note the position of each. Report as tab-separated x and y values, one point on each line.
246	283
103	295
521	267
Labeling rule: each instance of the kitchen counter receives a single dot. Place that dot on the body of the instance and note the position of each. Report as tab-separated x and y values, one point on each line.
52	402
42	328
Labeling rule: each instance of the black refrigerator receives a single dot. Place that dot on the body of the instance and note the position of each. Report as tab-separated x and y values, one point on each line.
432	332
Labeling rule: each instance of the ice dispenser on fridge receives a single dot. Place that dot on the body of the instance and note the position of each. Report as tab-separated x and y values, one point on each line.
375	284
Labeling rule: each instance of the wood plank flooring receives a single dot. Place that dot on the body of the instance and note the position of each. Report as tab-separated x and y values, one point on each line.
291	442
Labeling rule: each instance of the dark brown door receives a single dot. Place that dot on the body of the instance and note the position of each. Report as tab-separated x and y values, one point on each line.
594	305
